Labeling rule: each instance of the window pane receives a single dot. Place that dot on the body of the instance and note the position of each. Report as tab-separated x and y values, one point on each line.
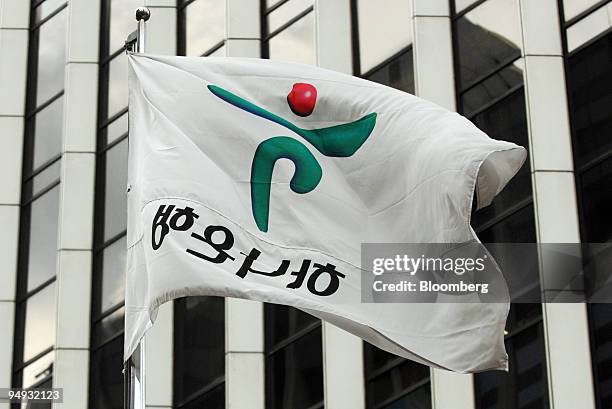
590	94
294	375
51	57
106	390
48	132
38	371
596	196
506	120
42	251
286	12
572	8
517	228
383	30
485	41
117	85
492	88
39	322
109	327
116	129
204	25
115	196
199	344
122	22
397	73
395	381
283	321
417	399
589	27
113	274
295	43
47	7
462	4
42	180
601	327
214	399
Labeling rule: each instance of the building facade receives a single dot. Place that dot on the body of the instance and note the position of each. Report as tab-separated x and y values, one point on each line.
535	72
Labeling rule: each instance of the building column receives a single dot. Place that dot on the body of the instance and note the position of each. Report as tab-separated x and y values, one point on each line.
75	228
14	21
435	81
244	319
343	372
159	345
566	329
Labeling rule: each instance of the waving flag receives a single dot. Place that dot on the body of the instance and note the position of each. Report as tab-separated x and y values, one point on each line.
260	180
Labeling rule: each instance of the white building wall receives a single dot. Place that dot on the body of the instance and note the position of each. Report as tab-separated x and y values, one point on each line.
14	22
566	329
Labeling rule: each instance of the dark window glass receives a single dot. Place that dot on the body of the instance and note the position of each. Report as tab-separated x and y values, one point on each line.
483	44
394	382
506	120
50	42
203	26
595	197
213	399
47	132
106	384
287	321
39	322
115	196
396	73
590	94
113	274
601	330
294	373
295	43
199	352
108	327
42	250
525	385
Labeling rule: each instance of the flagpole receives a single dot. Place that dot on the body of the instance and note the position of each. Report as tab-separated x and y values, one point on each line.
134	383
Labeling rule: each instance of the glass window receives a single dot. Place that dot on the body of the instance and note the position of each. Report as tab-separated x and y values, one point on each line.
288	321
283	14
601	336
589	27
573	8
50	40
117	85
397	73
295	43
106	382
113	274
41	181
45	8
590	95
42	250
394	382
115	196
214	399
108	327
383	31
39	322
204	25
485	42
38	371
199	351
47	136
294	374
116	129
595	198
122	22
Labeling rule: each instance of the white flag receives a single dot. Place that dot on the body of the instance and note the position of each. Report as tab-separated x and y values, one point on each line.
260	180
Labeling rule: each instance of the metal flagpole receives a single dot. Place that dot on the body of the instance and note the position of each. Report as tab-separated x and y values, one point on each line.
134	368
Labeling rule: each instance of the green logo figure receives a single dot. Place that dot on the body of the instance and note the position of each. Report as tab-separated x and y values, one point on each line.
334	141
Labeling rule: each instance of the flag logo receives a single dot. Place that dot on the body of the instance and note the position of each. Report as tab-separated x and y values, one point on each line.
338	141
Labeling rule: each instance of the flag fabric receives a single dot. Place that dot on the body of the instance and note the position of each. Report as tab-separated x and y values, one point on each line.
260	180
